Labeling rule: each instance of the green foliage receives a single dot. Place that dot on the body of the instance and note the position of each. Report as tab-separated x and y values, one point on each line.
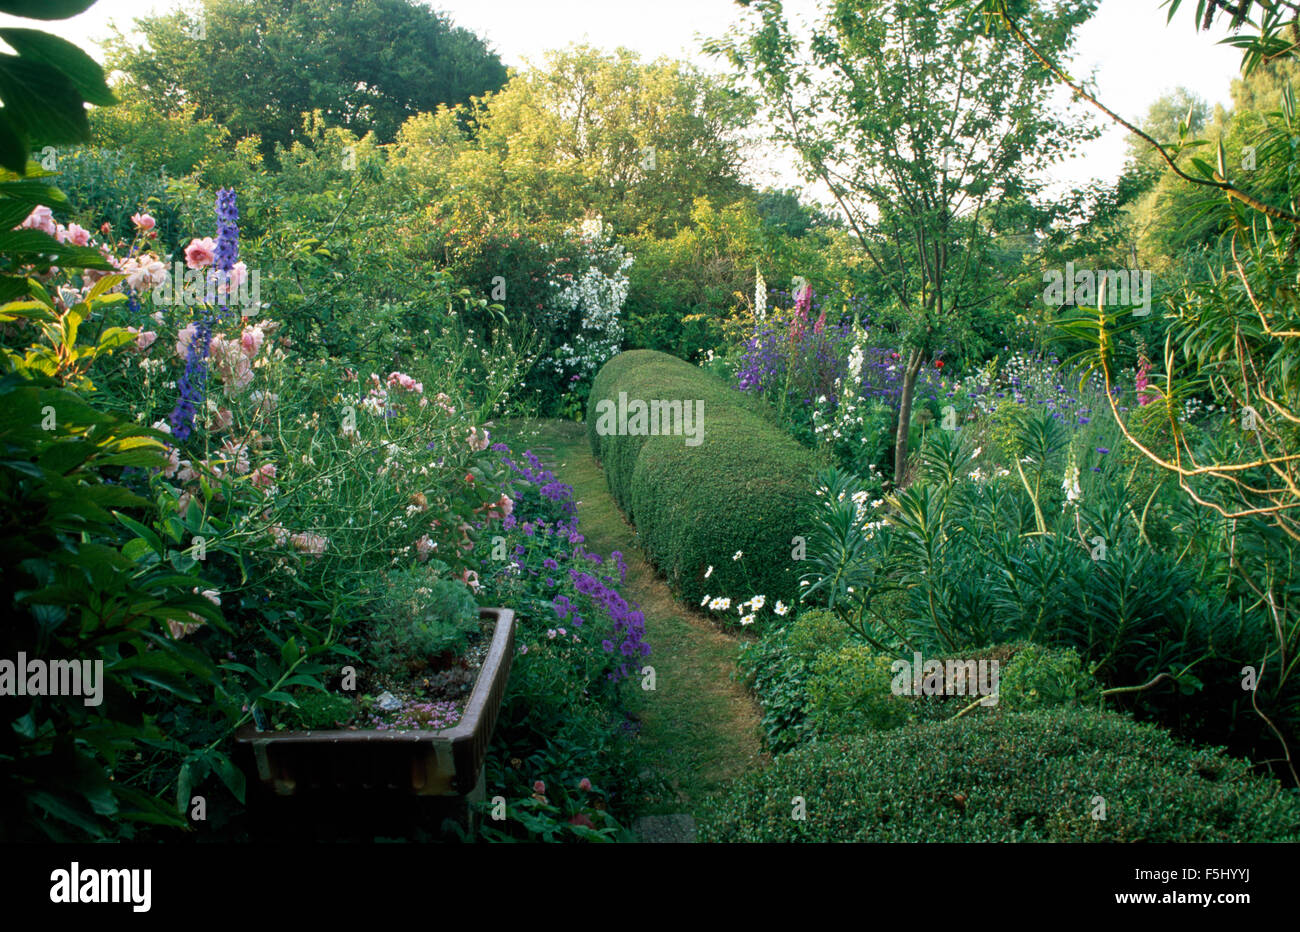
929	213
1040	676
850	692
779	681
316	709
777	668
1030	777
257	67
816	632
586	133
83	585
744	488
45	86
689	291
419	617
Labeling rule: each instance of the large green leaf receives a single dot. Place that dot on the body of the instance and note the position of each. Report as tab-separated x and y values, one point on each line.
45	9
41	102
86	76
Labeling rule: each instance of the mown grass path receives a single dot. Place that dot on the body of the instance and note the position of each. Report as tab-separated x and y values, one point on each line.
700	728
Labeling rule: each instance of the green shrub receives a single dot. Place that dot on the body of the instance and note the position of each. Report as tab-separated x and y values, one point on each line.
779	680
320	710
1032	776
1041	676
850	692
817	632
420	617
746	487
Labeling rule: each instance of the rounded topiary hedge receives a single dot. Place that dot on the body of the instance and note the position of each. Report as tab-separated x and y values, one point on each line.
747	485
1027	776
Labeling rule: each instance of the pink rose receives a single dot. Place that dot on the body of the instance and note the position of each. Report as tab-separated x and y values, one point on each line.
143	338
250	341
78	236
41	218
183	339
264	476
143	222
201	253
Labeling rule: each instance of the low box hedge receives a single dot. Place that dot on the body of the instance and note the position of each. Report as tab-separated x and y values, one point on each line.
746	486
1011	776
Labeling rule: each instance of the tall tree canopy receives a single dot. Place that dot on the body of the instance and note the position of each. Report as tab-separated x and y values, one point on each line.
634	141
256	66
924	130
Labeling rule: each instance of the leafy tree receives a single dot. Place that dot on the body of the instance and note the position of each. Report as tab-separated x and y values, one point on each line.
256	66
589	132
922	129
783	212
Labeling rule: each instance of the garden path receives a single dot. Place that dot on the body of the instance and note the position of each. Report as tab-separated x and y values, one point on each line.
699	727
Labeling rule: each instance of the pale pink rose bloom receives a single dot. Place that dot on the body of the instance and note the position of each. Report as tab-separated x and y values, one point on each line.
144	339
264	476
183	339
237	275
405	382
41	218
143	222
478	439
201	253
237	378
145	272
250	341
185	474
74	234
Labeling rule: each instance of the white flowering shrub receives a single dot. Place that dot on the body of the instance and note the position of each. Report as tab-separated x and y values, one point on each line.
590	303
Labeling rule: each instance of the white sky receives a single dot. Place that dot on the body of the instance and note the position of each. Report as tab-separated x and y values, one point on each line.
1136	56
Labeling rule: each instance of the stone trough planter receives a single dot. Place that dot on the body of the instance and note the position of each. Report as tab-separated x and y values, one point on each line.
400	763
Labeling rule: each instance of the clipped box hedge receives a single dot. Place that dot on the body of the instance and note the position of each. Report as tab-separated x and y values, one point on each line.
1035	776
747	486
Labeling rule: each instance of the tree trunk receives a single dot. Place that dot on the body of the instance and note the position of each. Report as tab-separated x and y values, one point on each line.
905	417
